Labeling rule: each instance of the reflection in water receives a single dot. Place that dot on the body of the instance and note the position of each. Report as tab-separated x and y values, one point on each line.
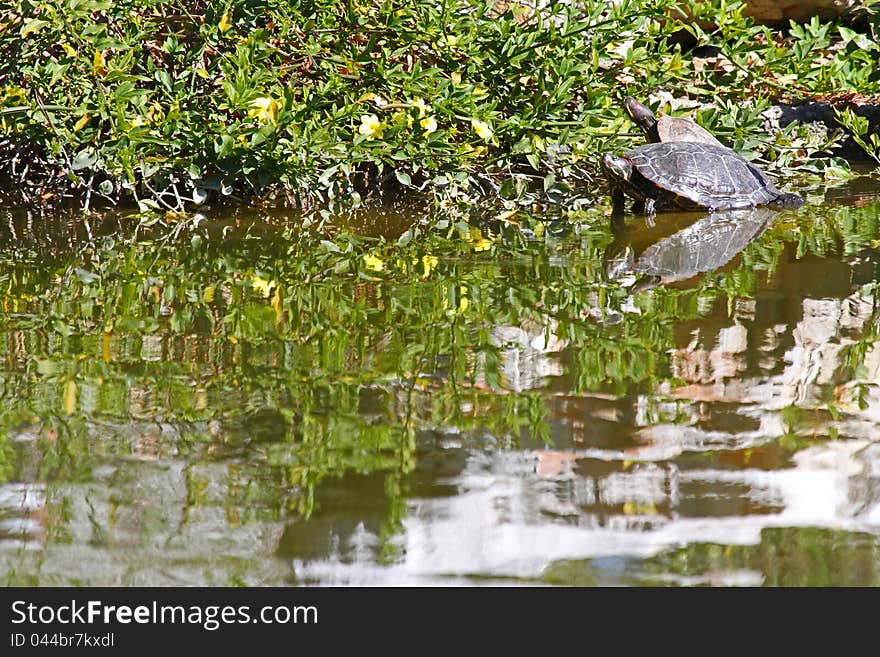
657	256
230	408
504	519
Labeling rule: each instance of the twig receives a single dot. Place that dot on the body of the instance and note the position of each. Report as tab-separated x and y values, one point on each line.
89	193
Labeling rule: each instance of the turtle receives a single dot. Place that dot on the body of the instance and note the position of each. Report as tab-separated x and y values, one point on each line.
666	128
687	175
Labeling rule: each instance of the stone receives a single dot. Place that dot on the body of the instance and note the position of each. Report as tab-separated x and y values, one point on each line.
775	12
819	115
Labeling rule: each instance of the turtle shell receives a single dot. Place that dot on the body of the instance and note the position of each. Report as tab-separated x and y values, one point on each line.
666	128
670	128
700	175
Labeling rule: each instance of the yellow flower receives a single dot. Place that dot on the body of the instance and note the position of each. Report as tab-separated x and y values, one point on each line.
374	263
263	286
421	106
372	126
401	118
225	23
482	129
429	262
264	109
428	124
480	243
99	64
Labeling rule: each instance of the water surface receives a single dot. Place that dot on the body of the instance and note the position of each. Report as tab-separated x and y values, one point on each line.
228	401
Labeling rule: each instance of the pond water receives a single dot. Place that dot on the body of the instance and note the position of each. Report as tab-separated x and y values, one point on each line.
230	401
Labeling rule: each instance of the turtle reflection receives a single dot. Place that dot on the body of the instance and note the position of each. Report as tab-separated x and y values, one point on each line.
655	256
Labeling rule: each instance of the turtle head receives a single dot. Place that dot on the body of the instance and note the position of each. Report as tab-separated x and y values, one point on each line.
640	114
620	264
646	282
622	268
617	168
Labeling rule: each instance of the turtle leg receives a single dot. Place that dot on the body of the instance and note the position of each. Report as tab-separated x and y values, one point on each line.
650	211
617	201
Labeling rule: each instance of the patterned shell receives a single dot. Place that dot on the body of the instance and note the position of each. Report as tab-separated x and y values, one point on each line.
670	128
708	175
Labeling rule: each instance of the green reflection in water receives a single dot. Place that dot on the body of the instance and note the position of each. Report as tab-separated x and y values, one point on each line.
791	556
213	379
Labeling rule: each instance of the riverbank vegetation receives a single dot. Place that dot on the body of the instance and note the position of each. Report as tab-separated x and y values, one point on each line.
174	104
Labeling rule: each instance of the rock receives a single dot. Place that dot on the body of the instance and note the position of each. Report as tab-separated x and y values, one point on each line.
819	115
778	13
775	12
764	12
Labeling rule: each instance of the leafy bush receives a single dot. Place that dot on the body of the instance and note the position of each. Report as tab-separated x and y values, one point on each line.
170	103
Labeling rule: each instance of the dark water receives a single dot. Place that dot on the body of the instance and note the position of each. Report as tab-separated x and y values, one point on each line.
225	401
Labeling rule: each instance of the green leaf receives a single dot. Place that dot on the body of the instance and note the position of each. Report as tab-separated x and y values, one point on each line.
32	27
83	160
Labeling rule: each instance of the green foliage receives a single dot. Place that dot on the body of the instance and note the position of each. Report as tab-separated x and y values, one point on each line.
7	458
170	103
858	128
